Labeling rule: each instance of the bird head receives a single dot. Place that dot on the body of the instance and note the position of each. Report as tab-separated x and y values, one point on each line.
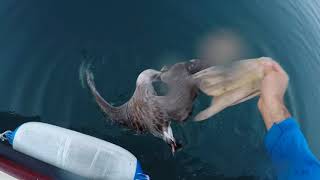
148	76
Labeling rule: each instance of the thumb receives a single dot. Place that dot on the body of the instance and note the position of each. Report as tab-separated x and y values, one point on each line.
267	65
267	68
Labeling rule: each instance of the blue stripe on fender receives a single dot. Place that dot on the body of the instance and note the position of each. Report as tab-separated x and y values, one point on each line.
139	175
10	135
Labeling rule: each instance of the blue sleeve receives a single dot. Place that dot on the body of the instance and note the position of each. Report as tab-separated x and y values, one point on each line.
289	152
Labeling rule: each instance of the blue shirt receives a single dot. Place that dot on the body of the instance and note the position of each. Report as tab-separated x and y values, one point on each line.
290	153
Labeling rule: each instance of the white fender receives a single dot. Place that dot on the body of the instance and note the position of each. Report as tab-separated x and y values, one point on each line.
75	152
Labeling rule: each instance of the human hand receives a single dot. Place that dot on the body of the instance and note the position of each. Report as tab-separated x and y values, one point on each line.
273	88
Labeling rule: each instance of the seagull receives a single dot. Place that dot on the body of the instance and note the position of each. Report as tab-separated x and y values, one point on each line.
148	111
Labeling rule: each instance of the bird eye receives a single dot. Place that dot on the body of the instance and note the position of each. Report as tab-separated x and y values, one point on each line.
160	87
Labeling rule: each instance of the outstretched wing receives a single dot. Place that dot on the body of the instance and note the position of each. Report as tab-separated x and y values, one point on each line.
229	85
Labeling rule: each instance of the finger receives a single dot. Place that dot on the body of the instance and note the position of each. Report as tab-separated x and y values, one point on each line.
270	64
281	72
267	66
267	69
279	69
266	61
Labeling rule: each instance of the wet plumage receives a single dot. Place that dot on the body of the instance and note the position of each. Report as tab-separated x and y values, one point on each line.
146	111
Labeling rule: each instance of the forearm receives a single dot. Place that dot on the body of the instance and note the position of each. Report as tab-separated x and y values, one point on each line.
273	111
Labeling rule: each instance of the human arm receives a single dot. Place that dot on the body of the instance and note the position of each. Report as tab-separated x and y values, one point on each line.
273	87
285	143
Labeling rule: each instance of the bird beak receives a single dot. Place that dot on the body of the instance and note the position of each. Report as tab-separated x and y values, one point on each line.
168	137
175	147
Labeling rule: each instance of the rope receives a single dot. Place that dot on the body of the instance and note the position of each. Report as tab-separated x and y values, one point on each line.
3	136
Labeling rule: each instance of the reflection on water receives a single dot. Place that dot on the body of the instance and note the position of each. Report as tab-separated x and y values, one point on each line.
43	43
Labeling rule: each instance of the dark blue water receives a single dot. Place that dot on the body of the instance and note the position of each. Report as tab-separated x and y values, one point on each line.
43	43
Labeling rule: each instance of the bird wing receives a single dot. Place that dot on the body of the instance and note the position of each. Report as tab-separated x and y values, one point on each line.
229	84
